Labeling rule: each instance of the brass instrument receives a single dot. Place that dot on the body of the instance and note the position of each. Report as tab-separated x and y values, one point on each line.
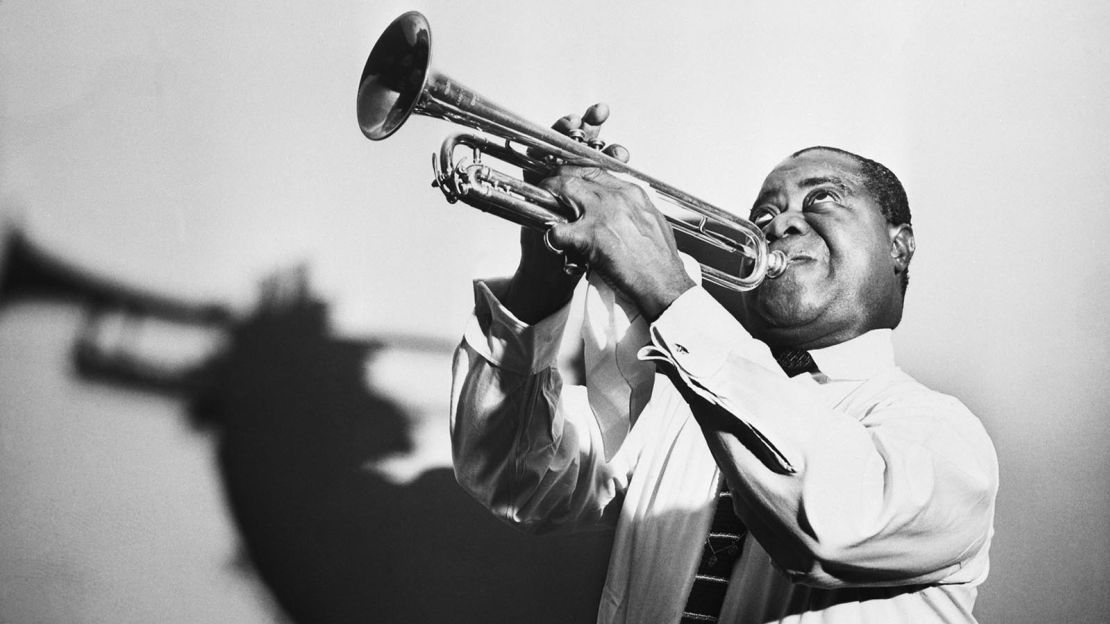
398	81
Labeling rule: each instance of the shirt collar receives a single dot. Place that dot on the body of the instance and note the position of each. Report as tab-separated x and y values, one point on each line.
859	358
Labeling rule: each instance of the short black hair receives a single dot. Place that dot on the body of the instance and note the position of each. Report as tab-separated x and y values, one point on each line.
885	188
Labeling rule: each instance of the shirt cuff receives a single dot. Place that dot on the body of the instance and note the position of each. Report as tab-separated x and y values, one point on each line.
695	338
697	335
506	341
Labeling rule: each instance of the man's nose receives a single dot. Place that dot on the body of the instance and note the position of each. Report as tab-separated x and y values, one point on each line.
789	223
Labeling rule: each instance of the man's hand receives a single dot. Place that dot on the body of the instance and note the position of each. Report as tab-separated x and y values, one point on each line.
540	286
621	235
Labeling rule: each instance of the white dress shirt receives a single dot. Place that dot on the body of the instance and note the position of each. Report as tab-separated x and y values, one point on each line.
868	497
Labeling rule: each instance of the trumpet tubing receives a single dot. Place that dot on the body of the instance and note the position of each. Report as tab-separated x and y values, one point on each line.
398	82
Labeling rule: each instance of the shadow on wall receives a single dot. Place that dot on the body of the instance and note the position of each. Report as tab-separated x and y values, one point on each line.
297	423
336	543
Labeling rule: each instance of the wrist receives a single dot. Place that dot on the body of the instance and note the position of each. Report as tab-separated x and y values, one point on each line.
654	301
532	296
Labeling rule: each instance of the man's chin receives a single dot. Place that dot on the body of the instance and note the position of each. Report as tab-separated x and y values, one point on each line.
779	307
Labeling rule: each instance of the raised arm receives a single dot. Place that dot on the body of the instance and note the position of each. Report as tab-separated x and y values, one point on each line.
540	455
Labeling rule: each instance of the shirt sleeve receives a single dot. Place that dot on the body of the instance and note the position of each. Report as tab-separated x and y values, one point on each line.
524	445
900	494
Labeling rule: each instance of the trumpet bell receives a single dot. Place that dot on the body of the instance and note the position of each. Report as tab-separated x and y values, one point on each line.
393	80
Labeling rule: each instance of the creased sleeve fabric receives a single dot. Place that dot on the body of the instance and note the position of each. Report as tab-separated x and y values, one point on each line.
524	445
886	483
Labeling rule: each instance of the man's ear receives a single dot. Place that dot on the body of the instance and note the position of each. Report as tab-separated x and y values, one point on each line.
902	246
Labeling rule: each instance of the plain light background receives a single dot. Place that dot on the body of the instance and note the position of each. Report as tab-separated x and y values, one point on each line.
195	147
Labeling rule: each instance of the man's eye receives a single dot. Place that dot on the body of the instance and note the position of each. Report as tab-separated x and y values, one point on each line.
763	216
821	196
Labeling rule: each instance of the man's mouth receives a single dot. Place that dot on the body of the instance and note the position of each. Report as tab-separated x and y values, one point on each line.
795	256
795	260
791	261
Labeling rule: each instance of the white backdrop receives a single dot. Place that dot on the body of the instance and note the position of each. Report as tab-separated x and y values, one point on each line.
192	147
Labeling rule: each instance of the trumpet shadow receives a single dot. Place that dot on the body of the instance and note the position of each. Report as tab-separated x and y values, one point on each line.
295	422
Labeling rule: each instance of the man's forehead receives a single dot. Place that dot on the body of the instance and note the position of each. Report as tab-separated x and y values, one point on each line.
811	166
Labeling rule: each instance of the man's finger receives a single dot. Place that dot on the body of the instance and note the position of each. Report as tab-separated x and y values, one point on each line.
572	126
567	123
596	114
566	186
619	152
586	174
592	120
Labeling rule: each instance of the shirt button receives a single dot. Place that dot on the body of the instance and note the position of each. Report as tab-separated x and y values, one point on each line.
681	349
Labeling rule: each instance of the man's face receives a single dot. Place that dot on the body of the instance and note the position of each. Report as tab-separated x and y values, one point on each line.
841	279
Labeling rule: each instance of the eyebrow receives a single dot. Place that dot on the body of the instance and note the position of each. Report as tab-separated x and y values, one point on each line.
821	180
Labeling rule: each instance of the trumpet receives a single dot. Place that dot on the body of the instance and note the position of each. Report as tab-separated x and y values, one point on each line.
398	81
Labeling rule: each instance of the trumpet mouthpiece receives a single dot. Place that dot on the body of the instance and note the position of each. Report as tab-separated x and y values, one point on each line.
776	263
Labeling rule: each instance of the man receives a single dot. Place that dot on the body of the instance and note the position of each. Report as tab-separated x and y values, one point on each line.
862	496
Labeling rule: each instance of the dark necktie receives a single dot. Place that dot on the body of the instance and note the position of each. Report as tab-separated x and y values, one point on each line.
725	541
794	361
719	554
